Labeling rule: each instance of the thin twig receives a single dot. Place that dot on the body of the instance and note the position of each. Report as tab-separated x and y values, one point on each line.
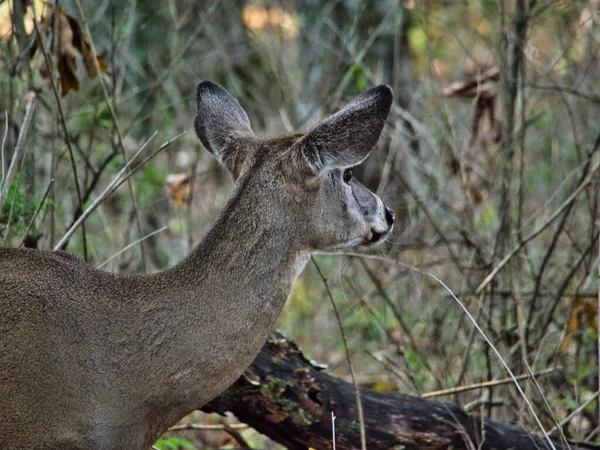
567	419
541	394
102	196
535	214
337	95
594	98
124	249
471	318
333	429
361	418
598	304
237	436
497	353
560	291
539	230
14	200
483	402
19	147
550	249
208	427
113	114
63	123
144	161
2	162
190	42
398	316
93	182
423	204
485	384
37	211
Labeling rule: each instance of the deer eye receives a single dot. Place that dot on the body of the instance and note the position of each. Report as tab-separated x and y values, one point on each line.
347	175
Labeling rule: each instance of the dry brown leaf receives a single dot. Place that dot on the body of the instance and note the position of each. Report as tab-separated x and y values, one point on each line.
178	188
68	76
102	66
588	311
72	43
481	85
79	42
483	88
573	322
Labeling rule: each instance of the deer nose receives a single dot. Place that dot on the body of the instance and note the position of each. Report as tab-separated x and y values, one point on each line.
389	216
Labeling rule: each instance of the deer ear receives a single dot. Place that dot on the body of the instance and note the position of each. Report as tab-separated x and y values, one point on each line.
220	122
346	138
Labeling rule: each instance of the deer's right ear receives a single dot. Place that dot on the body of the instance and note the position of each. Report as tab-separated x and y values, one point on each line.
346	138
220	122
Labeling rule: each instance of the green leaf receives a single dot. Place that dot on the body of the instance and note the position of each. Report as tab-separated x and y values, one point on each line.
174	443
358	75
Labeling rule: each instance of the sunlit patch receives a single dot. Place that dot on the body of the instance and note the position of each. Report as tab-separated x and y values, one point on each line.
5	20
259	18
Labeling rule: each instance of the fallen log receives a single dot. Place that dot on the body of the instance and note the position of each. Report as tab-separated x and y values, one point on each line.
290	399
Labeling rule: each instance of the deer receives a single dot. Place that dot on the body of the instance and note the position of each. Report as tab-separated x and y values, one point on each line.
96	360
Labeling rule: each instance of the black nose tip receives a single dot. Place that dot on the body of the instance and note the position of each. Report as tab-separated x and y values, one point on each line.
389	216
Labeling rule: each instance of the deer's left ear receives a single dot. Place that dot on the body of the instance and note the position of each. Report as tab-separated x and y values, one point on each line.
221	123
346	138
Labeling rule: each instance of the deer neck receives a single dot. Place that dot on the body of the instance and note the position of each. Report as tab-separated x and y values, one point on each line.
234	284
250	257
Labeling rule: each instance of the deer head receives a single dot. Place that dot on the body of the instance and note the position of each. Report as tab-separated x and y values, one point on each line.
313	172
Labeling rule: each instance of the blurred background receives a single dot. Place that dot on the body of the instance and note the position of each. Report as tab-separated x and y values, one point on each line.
489	159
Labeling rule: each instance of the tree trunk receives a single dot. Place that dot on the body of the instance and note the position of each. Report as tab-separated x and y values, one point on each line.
289	399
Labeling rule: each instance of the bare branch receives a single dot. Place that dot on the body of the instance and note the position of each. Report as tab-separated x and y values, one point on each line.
17	153
37	211
102	196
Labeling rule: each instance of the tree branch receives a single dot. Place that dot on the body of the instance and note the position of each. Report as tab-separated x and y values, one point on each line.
290	399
